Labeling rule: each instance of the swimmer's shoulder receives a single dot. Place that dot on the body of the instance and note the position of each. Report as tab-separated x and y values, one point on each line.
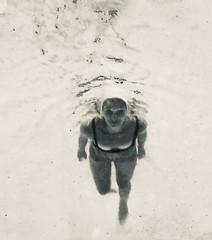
142	125
86	128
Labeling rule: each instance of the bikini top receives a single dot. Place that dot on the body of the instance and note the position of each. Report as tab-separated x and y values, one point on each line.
115	150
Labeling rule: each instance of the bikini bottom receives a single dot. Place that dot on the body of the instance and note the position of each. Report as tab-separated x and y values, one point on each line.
125	155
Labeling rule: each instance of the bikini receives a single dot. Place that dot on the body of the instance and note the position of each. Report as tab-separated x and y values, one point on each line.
116	154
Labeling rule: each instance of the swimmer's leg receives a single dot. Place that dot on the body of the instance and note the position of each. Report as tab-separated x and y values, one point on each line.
124	173
101	171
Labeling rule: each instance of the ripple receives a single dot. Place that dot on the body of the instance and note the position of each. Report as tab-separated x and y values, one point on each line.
89	95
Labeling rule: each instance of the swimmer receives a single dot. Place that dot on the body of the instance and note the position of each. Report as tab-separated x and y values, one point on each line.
116	136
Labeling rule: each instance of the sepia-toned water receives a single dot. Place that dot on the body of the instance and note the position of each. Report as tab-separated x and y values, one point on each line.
55	59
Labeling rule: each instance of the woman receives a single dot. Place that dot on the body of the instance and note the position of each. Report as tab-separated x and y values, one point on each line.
115	137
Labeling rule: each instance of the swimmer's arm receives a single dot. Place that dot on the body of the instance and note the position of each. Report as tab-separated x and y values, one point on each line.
83	139
141	138
82	142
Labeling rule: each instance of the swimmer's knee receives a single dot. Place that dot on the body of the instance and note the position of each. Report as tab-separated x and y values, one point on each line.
103	190
123	183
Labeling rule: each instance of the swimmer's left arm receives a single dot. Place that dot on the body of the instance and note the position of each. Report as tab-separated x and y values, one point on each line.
141	138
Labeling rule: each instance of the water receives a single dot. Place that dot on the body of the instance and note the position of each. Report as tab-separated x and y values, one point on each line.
53	69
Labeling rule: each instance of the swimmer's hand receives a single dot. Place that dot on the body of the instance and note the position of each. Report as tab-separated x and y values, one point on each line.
141	153
82	155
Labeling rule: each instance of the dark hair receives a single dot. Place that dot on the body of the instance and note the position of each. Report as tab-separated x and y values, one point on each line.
120	101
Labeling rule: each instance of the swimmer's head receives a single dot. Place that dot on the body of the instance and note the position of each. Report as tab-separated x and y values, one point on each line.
114	102
114	111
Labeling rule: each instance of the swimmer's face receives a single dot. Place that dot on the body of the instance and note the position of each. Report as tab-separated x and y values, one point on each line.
114	111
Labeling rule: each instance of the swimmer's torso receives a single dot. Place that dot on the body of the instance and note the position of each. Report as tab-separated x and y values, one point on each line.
119	140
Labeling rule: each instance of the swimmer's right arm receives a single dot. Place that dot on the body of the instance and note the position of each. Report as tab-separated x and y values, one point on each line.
82	141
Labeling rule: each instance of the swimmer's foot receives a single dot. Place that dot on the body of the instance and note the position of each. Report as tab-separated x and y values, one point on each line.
123	212
112	190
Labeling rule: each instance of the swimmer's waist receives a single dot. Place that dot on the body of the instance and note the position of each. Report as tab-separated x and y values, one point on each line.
114	150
